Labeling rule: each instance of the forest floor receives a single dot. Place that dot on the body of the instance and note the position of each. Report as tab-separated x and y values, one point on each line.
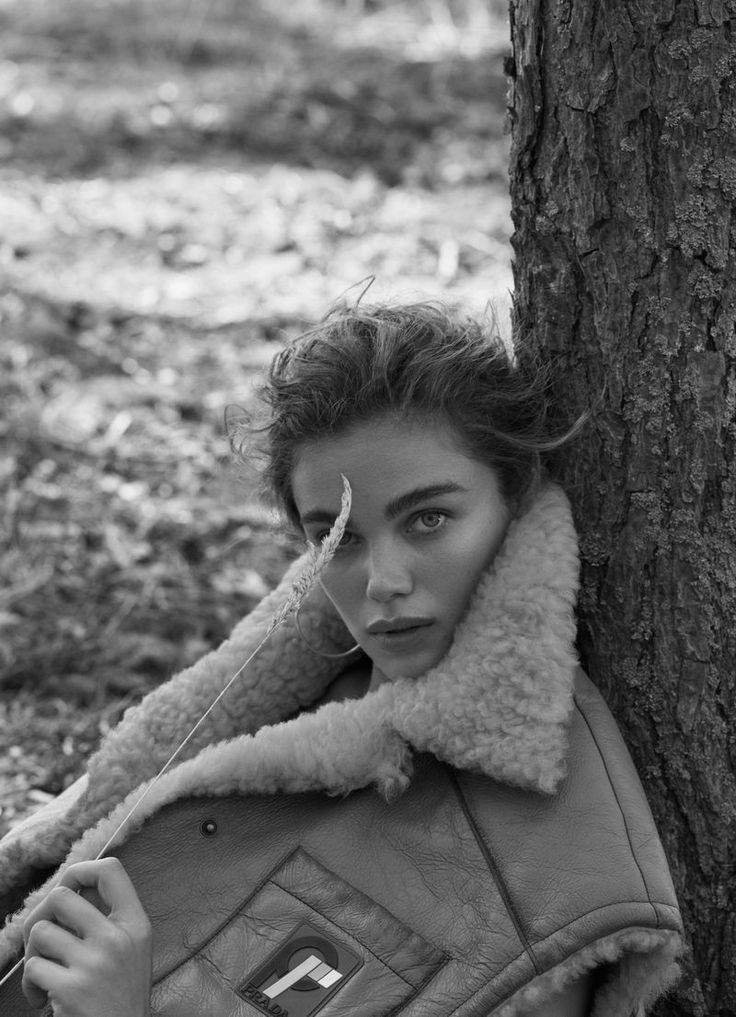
183	185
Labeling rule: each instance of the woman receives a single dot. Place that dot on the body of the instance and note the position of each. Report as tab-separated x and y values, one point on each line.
412	801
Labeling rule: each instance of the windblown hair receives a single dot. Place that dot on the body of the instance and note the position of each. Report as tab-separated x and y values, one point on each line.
419	361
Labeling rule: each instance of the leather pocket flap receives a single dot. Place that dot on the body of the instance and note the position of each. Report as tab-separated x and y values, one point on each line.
306	942
352	911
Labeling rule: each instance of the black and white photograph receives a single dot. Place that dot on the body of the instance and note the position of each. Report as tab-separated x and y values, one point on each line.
367	508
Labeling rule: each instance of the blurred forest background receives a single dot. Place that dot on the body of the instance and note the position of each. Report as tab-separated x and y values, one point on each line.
184	184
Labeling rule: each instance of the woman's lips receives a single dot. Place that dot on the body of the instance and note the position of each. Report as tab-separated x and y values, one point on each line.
397	624
400	633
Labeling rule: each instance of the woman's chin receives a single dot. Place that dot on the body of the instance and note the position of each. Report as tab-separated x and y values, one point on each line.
408	667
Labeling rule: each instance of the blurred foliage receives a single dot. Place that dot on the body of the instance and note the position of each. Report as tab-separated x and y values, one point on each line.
311	83
184	183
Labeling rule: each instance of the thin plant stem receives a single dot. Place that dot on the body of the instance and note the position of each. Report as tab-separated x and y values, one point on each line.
299	589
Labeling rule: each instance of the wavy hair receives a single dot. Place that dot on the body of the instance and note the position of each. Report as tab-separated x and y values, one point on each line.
420	361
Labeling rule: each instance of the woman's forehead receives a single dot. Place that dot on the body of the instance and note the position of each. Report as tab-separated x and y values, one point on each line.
385	461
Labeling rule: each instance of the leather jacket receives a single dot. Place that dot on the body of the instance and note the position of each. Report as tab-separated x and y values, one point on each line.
467	845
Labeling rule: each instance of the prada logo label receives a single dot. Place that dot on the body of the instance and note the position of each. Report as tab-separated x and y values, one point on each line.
299	977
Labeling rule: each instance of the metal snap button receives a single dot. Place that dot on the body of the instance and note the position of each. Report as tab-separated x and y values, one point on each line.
208	828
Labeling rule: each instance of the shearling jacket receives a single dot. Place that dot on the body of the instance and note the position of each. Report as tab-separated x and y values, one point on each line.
467	843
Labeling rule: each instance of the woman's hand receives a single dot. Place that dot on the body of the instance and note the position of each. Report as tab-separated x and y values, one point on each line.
83	962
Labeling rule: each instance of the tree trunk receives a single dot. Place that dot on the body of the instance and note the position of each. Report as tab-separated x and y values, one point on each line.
623	184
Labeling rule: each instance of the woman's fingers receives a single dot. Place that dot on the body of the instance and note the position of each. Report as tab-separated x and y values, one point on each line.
47	939
40	977
83	960
66	908
108	877
53	934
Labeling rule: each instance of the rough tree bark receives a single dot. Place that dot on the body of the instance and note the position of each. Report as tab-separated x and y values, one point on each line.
623	184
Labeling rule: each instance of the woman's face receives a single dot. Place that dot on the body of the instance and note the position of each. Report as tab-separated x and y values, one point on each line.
426	521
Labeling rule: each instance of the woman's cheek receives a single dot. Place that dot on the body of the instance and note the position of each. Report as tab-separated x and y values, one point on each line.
340	589
456	568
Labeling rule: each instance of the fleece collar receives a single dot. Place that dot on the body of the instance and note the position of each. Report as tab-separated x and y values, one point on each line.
499	703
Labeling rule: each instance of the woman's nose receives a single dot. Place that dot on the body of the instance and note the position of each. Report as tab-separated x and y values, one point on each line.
388	575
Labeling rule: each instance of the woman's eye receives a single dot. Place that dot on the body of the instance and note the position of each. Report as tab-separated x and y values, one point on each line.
425	522
345	540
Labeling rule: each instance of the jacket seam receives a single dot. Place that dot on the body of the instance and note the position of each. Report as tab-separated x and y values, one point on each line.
604	907
493	868
614	790
268	878
421	987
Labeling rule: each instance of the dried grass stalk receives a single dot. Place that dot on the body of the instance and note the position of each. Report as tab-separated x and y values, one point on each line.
300	588
319	558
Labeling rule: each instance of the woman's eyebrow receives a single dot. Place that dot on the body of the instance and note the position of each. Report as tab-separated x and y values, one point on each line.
319	515
419	494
